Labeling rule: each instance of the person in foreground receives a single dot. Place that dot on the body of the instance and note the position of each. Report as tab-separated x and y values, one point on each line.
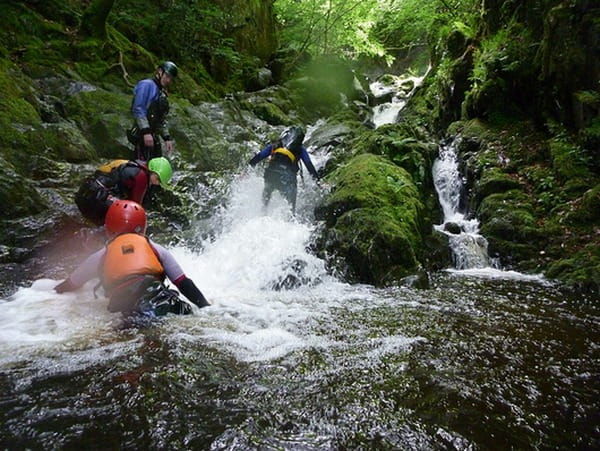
284	164
149	108
120	179
132	268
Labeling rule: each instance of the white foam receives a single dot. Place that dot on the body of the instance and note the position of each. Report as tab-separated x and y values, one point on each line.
493	273
36	319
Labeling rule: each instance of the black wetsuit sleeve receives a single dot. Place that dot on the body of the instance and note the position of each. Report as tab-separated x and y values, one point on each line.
261	155
189	289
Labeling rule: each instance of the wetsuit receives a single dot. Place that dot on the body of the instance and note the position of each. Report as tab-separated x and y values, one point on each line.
119	179
281	172
132	268
149	107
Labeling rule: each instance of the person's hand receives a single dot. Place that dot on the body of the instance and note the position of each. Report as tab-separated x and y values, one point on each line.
169	145
148	140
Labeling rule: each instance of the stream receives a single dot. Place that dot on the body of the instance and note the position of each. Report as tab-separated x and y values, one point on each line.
290	357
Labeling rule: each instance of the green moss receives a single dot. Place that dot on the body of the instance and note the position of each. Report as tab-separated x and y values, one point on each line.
509	224
267	111
403	145
586	209
18	197
581	270
103	117
373	219
494	180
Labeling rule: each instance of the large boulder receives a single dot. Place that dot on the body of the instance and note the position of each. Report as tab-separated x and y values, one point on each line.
372	230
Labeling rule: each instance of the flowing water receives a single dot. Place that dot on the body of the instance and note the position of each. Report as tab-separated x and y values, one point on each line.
469	248
289	357
387	112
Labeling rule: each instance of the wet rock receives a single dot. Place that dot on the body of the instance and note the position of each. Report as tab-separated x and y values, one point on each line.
262	78
293	275
452	227
328	135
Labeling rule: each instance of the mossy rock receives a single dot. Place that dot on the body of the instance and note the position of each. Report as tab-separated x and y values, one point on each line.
276	105
582	270
267	111
494	180
103	117
509	224
198	142
18	196
402	147
18	113
65	142
372	218
586	210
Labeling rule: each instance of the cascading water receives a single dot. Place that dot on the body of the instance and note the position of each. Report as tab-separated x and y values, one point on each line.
469	248
387	112
256	270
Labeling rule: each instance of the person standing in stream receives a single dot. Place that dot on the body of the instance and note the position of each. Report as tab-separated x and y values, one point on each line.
284	164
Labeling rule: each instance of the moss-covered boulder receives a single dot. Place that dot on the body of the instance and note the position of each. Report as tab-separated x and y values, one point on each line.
372	216
103	117
493	181
586	209
404	145
582	269
274	105
509	224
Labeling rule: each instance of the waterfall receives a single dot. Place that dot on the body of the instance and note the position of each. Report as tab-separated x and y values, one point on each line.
469	248
400	91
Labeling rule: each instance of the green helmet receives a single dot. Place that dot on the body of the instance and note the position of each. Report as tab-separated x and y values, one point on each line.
170	68
162	167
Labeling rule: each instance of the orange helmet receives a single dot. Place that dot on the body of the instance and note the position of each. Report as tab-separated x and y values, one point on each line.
125	216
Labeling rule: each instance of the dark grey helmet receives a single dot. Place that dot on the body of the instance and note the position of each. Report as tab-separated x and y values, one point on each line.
292	137
170	68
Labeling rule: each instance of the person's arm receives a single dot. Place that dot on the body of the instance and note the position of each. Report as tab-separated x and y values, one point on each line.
189	289
261	155
84	272
143	93
308	163
176	275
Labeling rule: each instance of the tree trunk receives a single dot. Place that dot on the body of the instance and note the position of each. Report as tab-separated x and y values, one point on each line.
93	21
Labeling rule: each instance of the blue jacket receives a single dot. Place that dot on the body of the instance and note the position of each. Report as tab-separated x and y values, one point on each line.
144	93
303	156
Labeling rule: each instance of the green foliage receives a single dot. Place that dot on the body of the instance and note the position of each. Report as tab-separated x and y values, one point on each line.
328	26
508	51
569	159
370	27
204	37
